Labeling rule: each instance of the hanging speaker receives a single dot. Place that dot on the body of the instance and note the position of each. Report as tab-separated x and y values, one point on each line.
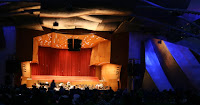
74	44
77	44
70	44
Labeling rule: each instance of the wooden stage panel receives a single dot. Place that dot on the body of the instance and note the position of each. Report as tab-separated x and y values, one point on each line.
49	78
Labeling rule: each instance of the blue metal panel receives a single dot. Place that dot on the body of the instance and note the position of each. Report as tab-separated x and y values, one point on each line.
191	43
186	60
154	68
134	45
194	6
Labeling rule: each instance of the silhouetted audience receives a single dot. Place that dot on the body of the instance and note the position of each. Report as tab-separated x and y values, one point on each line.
41	96
53	84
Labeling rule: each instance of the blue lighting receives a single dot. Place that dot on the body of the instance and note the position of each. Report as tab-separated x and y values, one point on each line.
153	4
10	37
2	4
134	45
186	60
191	43
154	68
193	6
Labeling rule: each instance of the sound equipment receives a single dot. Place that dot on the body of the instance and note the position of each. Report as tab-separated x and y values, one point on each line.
2	39
74	44
134	67
77	44
70	44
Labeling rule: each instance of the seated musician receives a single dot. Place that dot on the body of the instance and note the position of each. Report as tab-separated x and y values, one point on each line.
68	85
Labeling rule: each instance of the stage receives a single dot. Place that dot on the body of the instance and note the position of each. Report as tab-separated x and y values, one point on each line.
74	80
53	61
49	78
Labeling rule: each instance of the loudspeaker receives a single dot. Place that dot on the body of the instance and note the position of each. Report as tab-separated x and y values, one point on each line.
70	44
2	39
77	44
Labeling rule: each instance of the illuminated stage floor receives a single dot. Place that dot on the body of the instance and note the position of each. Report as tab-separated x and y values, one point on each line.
49	78
74	80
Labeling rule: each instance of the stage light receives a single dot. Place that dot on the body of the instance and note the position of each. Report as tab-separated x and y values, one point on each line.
160	42
55	24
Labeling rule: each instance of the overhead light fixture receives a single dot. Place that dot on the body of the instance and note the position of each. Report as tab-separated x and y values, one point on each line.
55	23
160	41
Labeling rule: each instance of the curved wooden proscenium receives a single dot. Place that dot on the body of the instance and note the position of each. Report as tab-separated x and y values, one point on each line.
111	75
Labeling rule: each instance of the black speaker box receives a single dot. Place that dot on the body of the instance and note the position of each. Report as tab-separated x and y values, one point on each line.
70	44
77	44
2	40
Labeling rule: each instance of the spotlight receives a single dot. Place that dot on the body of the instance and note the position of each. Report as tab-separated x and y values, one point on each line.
55	23
160	42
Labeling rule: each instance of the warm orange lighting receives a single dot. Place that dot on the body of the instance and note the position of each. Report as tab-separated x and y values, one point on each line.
111	75
56	40
74	80
60	41
101	53
26	69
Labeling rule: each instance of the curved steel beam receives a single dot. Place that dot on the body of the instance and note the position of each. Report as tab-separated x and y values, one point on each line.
167	25
171	9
